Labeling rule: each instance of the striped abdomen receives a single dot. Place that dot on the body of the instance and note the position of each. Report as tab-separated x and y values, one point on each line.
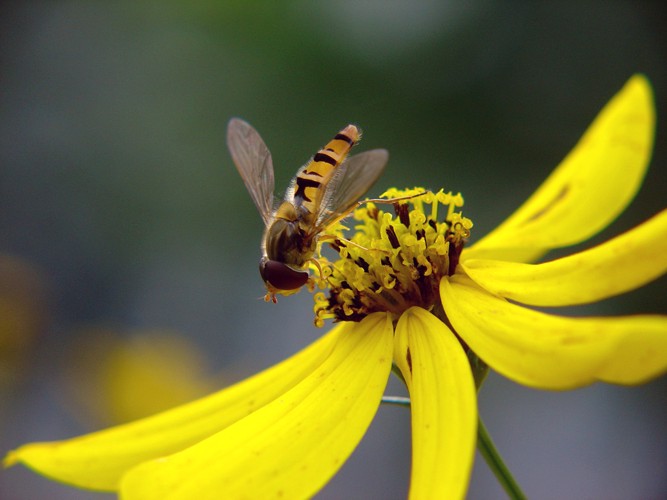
311	180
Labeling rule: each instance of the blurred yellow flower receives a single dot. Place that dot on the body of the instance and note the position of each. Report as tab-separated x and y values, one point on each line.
114	377
416	296
23	317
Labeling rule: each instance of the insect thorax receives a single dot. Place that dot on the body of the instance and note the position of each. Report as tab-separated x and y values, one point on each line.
287	242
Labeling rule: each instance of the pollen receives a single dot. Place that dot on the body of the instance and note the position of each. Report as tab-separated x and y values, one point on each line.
392	260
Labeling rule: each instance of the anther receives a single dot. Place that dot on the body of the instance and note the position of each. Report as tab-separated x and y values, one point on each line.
393	239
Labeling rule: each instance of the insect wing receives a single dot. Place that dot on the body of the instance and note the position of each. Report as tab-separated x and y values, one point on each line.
350	182
253	161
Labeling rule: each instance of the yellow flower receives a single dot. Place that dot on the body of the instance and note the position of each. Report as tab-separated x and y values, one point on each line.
416	296
113	377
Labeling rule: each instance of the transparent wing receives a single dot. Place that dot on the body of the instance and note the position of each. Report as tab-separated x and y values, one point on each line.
350	182
253	161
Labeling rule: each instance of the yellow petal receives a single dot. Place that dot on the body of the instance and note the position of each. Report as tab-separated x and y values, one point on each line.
291	447
97	461
443	405
589	189
619	265
554	352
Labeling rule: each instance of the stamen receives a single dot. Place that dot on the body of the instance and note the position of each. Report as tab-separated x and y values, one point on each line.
393	262
402	212
393	239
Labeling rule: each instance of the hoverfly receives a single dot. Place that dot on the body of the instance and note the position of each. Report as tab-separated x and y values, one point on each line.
324	190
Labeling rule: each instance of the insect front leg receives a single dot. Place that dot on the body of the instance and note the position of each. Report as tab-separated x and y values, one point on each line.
337	242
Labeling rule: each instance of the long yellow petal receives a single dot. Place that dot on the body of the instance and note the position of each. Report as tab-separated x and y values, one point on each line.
443	405
97	461
291	447
619	265
554	352
589	189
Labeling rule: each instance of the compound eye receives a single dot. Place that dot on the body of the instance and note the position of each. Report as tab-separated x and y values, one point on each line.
280	276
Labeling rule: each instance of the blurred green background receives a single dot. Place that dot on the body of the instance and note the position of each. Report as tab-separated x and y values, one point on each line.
121	211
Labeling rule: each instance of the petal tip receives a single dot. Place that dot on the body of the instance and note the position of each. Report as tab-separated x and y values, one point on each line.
10	459
641	88
641	81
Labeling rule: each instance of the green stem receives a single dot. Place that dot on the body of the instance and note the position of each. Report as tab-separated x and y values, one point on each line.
495	462
486	448
396	401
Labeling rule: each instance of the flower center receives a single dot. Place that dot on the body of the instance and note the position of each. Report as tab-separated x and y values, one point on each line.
393	261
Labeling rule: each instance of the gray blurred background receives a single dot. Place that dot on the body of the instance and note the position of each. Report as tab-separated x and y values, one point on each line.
121	212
